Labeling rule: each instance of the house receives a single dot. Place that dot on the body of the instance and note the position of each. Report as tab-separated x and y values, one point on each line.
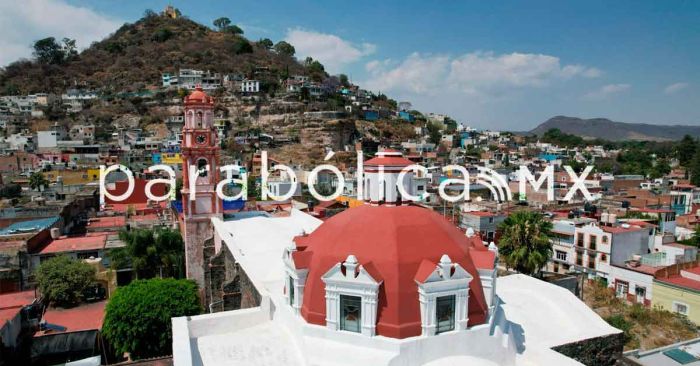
482	222
69	334
250	86
19	313
677	289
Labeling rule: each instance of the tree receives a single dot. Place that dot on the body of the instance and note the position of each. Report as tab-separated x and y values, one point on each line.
344	80
694	167
48	51
137	317
158	252
11	191
162	35
686	150
37	180
266	42
524	242
233	29
222	23
284	48
434	134
62	280
241	46
69	48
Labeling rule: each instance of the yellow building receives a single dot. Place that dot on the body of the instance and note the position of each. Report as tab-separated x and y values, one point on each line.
171	158
73	177
678	291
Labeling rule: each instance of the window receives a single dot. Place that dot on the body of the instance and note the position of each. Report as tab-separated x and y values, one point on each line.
561	255
350	313
202	166
86	255
621	289
579	239
605	239
445	314
490	220
290	286
593	241
604	258
591	261
640	293
680	308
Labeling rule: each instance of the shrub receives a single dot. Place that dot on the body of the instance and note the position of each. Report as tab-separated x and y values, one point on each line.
137	317
62	280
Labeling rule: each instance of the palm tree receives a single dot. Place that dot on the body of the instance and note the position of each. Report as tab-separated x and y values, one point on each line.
524	242
37	180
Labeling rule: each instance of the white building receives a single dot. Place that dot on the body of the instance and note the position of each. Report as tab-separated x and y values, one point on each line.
250	86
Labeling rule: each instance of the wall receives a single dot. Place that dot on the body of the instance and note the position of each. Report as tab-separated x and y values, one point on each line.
633	279
600	351
665	295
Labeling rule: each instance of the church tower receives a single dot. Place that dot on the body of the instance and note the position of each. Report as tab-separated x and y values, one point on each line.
200	148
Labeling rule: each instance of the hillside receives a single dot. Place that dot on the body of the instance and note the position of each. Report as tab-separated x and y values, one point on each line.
615	131
136	54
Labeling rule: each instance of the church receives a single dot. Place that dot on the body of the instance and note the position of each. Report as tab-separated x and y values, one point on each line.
386	283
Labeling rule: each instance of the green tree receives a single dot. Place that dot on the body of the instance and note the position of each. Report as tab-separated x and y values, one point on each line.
70	49
241	46
694	167
284	48
524	242
37	180
151	252
233	29
62	280
344	81
434	134
266	42
222	23
10	191
48	51
137	317
162	35
686	150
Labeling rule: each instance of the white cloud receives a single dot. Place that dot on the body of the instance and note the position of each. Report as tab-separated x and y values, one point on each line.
675	88
606	91
332	51
22	23
481	74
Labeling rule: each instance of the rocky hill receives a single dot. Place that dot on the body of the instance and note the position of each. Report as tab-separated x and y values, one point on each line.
615	131
136	54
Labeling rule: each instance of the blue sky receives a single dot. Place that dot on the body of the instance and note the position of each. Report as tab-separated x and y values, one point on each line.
508	66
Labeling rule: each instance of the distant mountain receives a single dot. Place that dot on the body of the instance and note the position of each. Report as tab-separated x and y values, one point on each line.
615	131
135	55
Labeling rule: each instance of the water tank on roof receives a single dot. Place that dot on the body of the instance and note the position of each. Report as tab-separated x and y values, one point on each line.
612	218
55	233
604	217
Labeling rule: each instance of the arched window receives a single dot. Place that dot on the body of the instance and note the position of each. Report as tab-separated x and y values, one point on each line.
199	119
201	165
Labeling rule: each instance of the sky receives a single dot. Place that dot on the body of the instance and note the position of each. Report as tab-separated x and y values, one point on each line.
506	65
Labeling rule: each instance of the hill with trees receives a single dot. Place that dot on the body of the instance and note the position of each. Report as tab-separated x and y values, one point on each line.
603	128
136	55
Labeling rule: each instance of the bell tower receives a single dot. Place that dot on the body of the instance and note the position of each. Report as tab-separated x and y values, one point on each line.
200	148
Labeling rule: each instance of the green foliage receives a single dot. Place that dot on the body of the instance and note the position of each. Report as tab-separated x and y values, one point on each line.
524	242
284	48
618	321
233	29
314	66
48	51
344	81
222	23
555	136
694	168
137	317
37	180
434	134
241	46
62	280
162	35
266	42
686	150
152	252
10	191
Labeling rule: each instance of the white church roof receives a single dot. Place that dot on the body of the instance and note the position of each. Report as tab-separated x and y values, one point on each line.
533	317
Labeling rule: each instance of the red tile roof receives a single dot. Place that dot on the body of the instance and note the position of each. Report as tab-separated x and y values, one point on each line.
12	303
681	282
90	241
106	222
79	318
620	229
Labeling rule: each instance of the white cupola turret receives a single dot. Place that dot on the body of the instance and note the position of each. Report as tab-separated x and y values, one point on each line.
381	175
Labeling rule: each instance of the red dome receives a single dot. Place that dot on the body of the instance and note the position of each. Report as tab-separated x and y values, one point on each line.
391	243
198	96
